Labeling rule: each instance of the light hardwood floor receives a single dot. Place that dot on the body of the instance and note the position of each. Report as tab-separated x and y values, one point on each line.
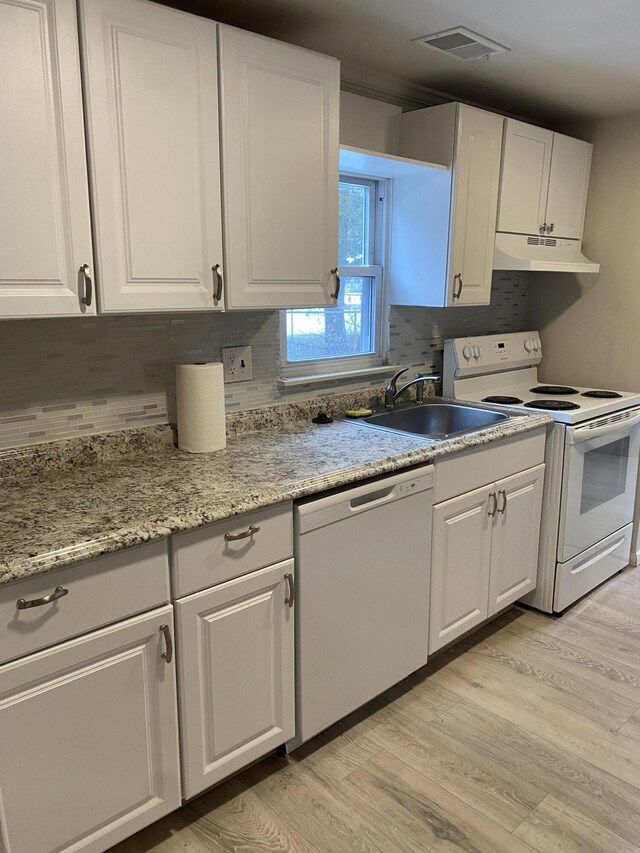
525	737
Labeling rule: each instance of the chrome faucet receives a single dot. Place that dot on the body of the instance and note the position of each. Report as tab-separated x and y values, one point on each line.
392	392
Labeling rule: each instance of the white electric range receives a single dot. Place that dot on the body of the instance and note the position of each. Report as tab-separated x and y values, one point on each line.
591	460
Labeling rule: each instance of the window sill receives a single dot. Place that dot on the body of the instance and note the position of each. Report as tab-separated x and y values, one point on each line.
292	381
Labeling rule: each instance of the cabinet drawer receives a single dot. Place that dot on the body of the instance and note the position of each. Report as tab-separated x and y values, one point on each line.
205	557
100	591
475	468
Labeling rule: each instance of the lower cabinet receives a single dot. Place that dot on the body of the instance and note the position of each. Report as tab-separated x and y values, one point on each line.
88	739
484	553
236	673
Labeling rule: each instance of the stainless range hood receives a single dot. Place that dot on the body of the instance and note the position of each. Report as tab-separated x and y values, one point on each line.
549	254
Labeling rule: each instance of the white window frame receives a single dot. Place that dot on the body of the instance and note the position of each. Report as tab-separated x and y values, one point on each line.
377	247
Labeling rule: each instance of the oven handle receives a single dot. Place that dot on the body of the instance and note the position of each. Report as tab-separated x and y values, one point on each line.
575	435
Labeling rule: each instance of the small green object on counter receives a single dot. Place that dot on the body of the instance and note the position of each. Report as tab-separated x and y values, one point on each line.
358	413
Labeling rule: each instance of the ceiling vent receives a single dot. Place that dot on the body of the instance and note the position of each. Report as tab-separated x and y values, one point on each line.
462	44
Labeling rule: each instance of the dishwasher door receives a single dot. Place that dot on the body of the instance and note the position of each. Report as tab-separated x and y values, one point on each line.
363	575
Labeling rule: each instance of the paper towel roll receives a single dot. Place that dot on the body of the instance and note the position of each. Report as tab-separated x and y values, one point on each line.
200	404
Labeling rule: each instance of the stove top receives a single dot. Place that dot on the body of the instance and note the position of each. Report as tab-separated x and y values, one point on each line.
555	390
502	370
552	405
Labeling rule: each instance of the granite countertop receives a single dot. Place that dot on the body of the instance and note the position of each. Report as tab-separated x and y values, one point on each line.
65	502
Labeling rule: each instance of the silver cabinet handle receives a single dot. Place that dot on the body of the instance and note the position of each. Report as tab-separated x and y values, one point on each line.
494	509
216	269
551	228
59	592
504	501
87	299
290	599
167	654
336	277
245	534
456	294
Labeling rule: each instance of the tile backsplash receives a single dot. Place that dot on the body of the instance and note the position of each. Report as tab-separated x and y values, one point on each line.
68	377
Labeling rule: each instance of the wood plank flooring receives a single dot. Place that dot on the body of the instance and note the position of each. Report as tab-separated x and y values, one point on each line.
524	737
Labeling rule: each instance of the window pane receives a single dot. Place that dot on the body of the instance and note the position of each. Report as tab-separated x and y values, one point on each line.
347	329
353	235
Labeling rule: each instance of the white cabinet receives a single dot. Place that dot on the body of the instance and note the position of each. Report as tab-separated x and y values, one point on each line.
452	263
88	739
235	623
460	565
544	182
45	230
568	186
484	553
279	131
515	535
152	116
236	670
151	110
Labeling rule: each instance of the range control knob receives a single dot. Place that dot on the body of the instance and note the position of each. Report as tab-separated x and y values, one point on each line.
467	352
538	345
476	351
528	344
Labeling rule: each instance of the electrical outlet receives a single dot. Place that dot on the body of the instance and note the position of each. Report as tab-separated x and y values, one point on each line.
237	364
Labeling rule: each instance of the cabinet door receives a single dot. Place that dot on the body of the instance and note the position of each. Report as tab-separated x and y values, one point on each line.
279	119
151	96
514	551
460	561
88	740
235	646
45	231
526	162
474	205
568	186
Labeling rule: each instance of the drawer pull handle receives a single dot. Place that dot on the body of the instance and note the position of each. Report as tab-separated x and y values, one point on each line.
216	269
167	655
290	599
494	508
457	293
88	286
336	278
504	501
59	592
245	534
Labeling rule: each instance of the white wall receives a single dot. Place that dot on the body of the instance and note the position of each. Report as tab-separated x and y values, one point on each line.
364	123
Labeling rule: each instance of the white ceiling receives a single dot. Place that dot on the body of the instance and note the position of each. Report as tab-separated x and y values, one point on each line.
569	58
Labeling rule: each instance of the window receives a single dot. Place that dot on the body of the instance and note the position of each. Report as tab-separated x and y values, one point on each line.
349	334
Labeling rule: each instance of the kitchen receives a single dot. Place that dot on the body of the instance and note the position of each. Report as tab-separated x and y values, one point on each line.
78	377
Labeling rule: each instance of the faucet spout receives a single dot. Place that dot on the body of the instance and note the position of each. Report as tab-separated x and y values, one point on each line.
392	392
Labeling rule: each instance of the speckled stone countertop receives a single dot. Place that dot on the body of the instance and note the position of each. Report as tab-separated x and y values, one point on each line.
65	502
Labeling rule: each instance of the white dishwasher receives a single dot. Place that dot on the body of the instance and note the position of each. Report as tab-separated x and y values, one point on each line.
363	575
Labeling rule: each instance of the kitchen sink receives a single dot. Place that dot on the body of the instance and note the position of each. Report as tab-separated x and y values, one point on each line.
435	420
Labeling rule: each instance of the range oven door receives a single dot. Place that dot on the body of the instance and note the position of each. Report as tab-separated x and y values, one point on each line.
599	480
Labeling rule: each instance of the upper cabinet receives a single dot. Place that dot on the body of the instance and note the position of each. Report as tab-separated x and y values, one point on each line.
544	183
151	110
451	259
45	229
152	116
279	129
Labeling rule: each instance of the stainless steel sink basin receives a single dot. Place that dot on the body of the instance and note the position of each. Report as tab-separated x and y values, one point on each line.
435	420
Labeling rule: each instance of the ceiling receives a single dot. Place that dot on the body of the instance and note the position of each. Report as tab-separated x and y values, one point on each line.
569	59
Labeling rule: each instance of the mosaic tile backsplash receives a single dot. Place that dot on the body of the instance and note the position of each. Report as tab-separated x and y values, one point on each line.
72	377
